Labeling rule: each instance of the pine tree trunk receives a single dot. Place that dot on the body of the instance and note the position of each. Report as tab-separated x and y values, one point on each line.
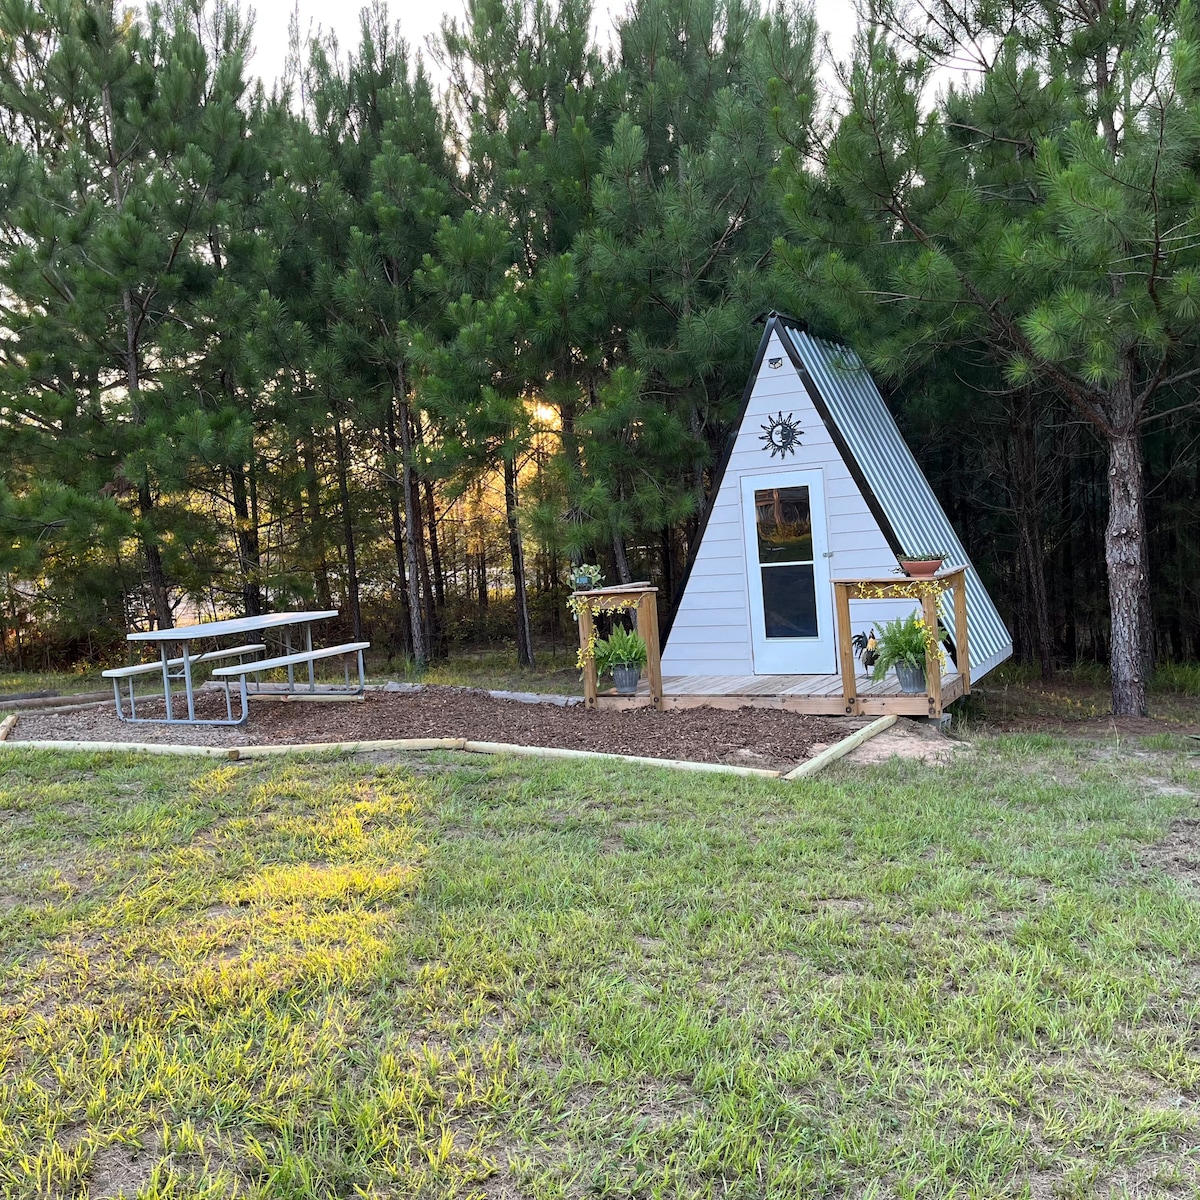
621	559
420	615
246	535
1067	573
571	452
1125	557
315	524
420	646
156	576
398	540
1029	558
347	531
521	600
433	634
429	613
1029	534
435	552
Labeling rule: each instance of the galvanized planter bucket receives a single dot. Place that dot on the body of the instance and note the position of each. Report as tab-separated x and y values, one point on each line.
912	679
626	679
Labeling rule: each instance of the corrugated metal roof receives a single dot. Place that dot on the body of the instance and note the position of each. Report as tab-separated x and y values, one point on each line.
899	484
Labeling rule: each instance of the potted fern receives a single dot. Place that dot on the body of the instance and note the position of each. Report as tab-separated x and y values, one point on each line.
622	655
904	644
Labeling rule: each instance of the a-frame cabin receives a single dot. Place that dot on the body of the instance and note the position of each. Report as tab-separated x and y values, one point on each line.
816	486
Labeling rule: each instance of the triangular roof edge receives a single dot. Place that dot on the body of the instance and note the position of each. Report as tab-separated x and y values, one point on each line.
772	321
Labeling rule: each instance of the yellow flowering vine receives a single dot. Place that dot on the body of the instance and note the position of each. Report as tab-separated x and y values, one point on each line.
594	605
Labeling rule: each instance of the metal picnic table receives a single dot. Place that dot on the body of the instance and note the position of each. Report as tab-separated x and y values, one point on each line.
184	635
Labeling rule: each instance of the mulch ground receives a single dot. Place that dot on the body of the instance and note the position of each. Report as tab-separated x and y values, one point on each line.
746	736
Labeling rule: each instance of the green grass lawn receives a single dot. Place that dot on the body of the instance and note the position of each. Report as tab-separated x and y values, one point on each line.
16	683
442	977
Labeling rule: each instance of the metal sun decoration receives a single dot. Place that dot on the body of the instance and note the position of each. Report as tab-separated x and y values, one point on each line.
781	435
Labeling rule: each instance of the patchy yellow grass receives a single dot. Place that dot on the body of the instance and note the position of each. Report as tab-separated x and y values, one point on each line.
302	979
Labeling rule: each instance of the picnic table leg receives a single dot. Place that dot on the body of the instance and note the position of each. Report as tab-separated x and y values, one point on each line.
362	674
287	641
163	650
187	684
312	679
117	699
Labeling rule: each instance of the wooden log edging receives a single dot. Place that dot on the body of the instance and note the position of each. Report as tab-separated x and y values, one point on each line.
126	748
6	726
838	749
644	760
236	753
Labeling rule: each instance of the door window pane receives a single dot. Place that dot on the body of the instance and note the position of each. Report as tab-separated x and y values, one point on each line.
789	601
784	524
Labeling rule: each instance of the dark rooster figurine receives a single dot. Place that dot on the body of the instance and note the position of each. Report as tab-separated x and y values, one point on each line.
864	647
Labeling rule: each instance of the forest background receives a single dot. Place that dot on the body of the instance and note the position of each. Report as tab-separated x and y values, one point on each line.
411	350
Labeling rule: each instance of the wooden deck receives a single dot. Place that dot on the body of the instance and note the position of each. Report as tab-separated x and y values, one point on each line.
847	692
818	694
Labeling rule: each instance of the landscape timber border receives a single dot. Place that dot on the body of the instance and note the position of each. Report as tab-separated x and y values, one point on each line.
237	753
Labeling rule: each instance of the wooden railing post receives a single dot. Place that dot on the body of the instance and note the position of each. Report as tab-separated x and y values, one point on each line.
962	646
647	611
841	597
589	663
933	659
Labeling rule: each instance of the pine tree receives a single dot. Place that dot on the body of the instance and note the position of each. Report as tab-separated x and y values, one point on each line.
475	376
686	214
1035	215
105	178
522	76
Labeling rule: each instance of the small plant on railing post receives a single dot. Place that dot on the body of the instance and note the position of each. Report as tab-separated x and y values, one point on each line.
920	566
586	576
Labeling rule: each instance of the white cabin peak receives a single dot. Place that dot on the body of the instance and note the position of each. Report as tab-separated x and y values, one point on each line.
817	484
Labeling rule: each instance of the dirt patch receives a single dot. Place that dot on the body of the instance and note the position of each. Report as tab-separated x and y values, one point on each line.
119	1171
746	736
1178	854
915	740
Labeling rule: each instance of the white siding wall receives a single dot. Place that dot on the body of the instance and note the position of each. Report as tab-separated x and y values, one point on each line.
711	631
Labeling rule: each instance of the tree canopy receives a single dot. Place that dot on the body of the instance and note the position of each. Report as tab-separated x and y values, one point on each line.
410	333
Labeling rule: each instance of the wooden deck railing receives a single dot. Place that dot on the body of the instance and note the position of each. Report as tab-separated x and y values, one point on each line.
642	600
928	592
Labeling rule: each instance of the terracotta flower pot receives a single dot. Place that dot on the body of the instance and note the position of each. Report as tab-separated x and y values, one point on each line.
922	568
912	679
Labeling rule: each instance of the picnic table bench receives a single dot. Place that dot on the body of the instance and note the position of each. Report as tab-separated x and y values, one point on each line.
116	674
176	669
290	661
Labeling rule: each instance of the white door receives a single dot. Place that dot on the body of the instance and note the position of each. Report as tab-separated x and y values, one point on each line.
791	602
